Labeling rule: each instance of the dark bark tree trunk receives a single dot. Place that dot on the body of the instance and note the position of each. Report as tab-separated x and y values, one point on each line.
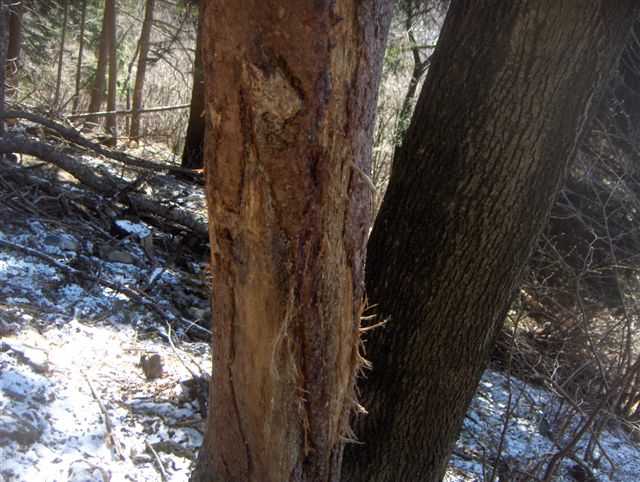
509	90
111	120
290	101
76	94
97	92
16	10
145	36
3	59
65	18
194	139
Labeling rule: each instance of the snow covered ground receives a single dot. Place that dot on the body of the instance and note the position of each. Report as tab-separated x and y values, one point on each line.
530	436
83	397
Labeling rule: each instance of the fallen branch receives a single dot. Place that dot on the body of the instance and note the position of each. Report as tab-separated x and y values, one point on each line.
73	135
115	443
140	298
128	111
157	460
97	183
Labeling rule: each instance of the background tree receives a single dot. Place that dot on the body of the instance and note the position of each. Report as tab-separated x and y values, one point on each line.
291	104
65	17
16	10
580	289
76	94
194	139
3	59
414	31
111	123
509	90
145	37
97	92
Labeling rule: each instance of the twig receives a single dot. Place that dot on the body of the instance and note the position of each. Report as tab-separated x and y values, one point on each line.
175	351
566	450
115	443
163	474
510	407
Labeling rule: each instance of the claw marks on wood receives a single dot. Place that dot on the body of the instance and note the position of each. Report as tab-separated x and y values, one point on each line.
275	101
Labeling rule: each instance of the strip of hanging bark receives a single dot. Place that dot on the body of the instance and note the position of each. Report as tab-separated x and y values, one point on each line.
140	298
86	176
73	135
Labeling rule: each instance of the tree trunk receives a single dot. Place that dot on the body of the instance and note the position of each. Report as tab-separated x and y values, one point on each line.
76	95
111	120
3	61
65	18
16	9
194	139
97	93
145	35
290	101
509	90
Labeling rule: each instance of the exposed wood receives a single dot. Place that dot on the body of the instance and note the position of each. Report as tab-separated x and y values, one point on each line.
290	99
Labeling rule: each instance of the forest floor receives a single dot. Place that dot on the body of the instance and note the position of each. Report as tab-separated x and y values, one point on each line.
104	364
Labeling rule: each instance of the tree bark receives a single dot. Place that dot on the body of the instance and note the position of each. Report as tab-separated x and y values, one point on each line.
507	95
145	35
16	9
3	60
111	120
97	93
194	139
290	99
76	94
65	18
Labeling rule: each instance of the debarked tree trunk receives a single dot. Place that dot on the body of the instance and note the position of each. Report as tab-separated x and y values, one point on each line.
290	101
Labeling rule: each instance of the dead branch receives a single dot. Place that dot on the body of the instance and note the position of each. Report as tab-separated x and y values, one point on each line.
157	460
586	425
115	443
74	136
128	111
86	176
